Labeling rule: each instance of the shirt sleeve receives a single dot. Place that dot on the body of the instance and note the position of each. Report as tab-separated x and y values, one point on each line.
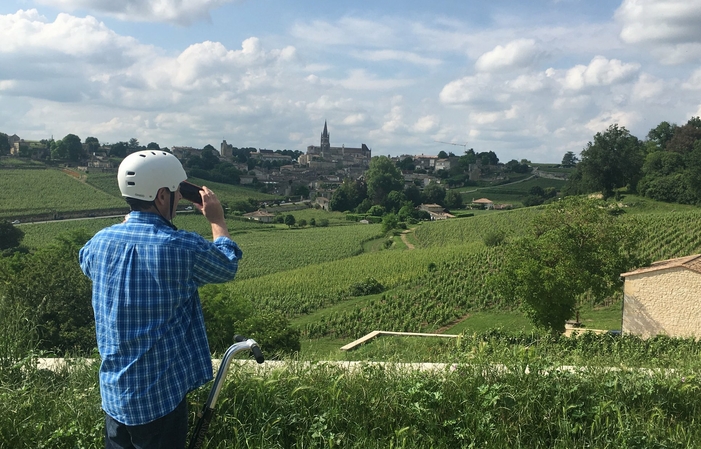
217	262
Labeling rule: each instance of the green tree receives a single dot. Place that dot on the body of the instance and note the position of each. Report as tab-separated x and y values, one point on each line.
383	177
394	201
613	160
407	164
569	159
74	147
4	144
348	195
389	222
658	137
576	248
685	137
10	235
453	200
119	149
290	220
434	194
50	282
92	143
153	146
59	150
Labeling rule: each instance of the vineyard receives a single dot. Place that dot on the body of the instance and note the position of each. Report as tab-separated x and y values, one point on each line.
314	271
26	192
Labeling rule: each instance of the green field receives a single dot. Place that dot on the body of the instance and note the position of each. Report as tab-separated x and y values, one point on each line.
26	192
512	193
500	383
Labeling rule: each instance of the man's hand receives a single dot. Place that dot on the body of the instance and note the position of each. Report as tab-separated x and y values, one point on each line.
213	211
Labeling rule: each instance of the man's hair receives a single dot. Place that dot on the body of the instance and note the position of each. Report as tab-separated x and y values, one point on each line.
138	205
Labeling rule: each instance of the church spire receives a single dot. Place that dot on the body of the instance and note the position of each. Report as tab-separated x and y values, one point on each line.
325	139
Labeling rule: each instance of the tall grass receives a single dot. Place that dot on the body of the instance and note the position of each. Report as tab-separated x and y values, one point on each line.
319	405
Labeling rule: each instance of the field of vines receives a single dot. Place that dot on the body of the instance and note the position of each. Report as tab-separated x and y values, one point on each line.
475	229
267	248
444	293
48	191
304	271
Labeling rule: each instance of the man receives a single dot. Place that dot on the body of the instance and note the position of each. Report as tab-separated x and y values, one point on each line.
148	318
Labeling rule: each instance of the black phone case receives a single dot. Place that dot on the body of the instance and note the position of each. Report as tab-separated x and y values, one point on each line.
190	192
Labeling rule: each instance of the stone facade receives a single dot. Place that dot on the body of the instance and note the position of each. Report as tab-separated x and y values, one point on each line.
664	298
326	157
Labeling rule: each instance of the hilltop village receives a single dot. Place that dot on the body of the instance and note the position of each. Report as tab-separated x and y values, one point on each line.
312	175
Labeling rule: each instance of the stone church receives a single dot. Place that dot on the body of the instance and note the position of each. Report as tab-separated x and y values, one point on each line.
325	156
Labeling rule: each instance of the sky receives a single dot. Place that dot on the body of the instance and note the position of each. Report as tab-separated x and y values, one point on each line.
525	79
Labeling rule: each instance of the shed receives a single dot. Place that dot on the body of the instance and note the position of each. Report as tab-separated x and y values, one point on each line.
663	298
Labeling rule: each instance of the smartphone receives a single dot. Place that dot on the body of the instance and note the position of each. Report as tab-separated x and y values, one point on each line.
190	192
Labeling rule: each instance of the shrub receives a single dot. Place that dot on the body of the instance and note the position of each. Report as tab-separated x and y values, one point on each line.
369	286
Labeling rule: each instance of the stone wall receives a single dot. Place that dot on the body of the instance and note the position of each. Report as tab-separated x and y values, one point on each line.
663	302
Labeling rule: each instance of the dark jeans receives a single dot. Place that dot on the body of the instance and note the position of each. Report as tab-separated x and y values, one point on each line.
168	432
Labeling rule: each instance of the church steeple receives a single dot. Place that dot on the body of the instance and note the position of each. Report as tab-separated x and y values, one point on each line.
325	140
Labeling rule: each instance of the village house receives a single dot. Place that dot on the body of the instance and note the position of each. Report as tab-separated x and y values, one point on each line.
663	298
483	202
436	211
260	215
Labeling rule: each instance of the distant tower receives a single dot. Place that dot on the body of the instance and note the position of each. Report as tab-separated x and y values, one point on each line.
325	143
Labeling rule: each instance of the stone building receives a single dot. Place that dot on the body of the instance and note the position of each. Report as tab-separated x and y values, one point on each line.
664	298
326	157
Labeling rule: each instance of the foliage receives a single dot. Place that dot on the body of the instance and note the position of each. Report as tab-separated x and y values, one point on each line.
494	238
576	248
382	177
289	220
348	195
369	286
434	194
453	200
613	160
389	222
50	282
272	331
10	235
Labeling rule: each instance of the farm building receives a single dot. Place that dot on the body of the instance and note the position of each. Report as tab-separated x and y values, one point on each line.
260	215
664	298
483	202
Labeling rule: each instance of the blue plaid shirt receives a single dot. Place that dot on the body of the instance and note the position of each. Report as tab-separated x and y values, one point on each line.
148	318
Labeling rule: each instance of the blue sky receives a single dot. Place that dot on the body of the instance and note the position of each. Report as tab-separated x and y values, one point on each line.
526	80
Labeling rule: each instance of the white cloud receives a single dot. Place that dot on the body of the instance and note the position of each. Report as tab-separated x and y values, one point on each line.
599	72
606	118
516	54
354	119
346	31
182	12
427	123
694	81
664	21
359	79
669	27
467	90
649	87
395	55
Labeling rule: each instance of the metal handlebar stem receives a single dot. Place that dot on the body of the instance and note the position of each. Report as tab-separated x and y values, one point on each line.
242	344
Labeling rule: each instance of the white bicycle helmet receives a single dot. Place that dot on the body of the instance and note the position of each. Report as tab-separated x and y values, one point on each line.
141	174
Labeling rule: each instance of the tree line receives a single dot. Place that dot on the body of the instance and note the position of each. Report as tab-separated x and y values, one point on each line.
666	166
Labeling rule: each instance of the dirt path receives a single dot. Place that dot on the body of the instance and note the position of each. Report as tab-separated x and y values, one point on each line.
405	240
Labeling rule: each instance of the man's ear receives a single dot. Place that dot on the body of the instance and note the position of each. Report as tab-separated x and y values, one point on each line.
161	195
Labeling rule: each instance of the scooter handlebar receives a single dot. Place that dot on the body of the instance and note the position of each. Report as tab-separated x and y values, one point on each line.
257	353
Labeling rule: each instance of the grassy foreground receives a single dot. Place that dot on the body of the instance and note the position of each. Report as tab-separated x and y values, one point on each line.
474	401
